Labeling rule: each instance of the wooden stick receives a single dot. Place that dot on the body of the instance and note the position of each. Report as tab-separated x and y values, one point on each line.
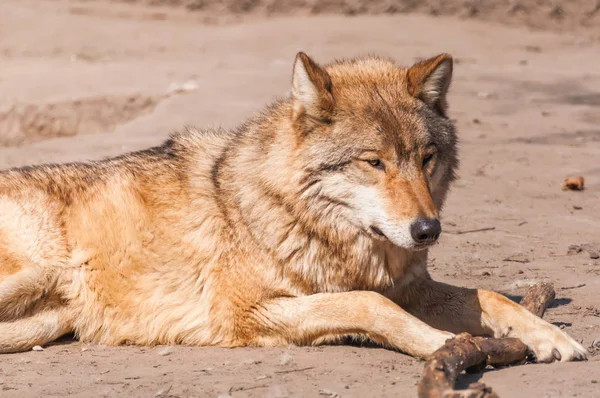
294	370
538	297
468	231
464	352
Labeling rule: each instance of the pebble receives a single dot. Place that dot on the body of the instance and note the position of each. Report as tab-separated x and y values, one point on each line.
164	392
165	351
37	348
285	359
328	393
188	86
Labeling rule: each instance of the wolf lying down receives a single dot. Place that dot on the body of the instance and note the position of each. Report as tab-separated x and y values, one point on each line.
308	223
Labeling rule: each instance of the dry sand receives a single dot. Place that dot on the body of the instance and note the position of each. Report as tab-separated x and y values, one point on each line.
85	80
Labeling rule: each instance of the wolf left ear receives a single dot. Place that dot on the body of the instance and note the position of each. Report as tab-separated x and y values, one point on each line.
429	81
311	89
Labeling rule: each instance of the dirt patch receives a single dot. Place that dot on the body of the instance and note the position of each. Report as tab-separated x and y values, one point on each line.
23	123
568	138
544	14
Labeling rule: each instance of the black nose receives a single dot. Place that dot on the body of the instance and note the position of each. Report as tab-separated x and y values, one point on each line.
426	230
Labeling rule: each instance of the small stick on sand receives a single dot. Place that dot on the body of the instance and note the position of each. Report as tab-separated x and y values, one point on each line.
468	231
294	370
464	352
573	287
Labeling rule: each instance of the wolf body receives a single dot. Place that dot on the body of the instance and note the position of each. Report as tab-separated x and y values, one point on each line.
308	223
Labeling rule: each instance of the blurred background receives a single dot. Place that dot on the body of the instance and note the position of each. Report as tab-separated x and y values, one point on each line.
82	80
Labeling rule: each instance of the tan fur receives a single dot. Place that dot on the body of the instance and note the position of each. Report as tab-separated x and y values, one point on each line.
294	228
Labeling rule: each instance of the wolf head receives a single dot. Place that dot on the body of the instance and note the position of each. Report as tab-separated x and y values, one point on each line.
376	147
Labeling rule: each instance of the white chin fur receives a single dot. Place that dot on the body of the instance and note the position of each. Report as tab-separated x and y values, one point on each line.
399	234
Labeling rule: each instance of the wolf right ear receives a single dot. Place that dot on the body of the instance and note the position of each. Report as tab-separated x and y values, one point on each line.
311	89
429	81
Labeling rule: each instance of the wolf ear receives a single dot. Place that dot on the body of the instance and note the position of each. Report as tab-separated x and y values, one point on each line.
311	89
429	81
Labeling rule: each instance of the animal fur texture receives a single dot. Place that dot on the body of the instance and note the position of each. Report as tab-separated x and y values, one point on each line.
308	223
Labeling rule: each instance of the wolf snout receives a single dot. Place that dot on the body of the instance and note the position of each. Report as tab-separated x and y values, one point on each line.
425	231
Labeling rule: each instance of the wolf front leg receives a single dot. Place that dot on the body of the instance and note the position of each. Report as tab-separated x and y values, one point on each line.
317	318
483	312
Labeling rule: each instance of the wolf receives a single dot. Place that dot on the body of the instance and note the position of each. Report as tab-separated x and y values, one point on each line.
307	224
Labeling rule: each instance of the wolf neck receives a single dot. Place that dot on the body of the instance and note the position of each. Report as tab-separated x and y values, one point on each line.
273	205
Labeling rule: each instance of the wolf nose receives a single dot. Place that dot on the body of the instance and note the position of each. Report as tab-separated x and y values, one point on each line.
426	230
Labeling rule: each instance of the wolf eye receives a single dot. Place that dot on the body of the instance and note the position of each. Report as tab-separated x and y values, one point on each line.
378	164
428	159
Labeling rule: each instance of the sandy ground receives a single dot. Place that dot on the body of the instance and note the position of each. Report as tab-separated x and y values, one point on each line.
83	81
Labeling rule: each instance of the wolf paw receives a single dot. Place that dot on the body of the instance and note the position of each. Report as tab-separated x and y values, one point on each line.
549	343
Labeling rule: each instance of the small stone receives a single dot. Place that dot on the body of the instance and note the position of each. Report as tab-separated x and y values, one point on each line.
328	393
37	348
486	273
188	86
285	359
164	392
594	255
165	351
574	183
